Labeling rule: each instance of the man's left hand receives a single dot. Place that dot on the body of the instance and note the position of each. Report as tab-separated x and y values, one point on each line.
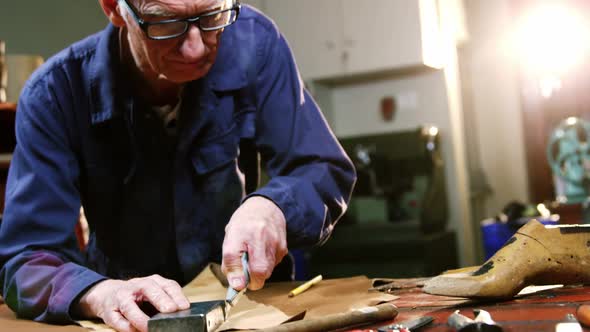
259	228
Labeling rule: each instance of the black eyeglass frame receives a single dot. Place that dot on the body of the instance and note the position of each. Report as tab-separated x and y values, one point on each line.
189	21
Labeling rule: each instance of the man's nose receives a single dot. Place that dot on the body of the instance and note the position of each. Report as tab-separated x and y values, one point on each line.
193	46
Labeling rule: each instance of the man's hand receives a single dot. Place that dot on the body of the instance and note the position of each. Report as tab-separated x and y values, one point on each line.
116	301
258	227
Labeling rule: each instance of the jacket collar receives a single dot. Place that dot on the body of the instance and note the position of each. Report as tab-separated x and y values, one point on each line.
106	79
103	69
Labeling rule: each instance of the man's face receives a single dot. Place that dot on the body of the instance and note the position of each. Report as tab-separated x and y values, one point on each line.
179	60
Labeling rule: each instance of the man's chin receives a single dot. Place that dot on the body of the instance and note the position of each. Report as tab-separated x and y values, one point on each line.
185	77
186	74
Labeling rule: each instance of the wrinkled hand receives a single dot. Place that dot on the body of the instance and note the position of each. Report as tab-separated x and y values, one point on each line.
116	301
258	227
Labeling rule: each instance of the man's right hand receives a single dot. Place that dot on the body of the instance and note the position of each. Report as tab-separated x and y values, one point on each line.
117	301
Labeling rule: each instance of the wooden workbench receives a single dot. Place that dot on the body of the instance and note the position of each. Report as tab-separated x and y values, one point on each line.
537	312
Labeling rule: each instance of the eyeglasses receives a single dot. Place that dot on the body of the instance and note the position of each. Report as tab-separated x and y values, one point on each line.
173	28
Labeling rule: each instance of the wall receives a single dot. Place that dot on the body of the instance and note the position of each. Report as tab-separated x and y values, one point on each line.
419	97
495	100
260	4
45	27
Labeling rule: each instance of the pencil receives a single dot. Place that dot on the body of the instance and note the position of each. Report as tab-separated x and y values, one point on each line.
305	286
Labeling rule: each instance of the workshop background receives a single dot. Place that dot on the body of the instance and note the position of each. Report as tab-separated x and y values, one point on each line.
447	108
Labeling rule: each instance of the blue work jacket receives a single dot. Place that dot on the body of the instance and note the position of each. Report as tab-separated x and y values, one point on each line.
82	140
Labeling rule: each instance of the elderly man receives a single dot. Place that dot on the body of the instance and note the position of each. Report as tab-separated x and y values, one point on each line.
145	125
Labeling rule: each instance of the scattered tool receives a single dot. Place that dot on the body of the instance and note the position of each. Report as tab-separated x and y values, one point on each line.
201	316
483	322
570	324
302	288
535	255
407	326
354	318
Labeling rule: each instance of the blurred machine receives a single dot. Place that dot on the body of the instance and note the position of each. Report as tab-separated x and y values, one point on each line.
402	175
568	154
396	222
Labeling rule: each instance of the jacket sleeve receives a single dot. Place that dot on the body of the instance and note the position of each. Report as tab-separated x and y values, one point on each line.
40	264
311	176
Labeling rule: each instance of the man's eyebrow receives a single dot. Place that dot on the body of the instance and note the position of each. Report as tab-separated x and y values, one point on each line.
157	11
212	9
163	12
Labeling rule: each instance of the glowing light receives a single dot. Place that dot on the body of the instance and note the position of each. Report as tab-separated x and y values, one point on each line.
571	121
433	131
548	85
552	39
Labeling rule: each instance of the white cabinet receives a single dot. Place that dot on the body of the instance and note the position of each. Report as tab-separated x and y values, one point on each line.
313	30
337	38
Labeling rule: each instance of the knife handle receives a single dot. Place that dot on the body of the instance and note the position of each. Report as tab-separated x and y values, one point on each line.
245	267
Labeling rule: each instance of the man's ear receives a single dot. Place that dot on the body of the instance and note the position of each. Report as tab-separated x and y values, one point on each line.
113	12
